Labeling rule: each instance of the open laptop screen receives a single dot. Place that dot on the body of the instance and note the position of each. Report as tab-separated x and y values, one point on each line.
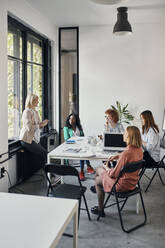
114	141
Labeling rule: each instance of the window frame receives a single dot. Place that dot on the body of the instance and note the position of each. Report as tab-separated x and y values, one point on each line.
46	70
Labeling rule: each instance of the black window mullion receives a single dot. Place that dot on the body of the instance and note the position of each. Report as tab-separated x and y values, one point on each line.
45	80
24	68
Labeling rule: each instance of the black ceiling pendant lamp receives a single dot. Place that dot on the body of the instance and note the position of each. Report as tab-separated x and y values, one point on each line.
122	26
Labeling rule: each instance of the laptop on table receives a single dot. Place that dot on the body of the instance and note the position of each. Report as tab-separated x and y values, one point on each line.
113	142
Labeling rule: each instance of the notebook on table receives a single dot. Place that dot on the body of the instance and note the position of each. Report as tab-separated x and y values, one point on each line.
113	142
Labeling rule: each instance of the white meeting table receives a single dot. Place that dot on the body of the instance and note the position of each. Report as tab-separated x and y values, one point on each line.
87	151
34	221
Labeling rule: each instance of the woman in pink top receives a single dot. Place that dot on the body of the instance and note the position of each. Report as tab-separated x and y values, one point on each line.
106	177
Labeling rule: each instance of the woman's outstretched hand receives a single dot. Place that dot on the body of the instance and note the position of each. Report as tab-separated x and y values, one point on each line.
100	137
105	166
112	158
44	123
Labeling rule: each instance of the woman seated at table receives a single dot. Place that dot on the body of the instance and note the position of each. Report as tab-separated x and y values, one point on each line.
106	177
112	124
73	128
150	139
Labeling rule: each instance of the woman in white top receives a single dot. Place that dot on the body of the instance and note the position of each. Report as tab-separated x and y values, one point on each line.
30	132
150	139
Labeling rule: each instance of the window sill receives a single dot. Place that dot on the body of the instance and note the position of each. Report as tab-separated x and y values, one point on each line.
14	146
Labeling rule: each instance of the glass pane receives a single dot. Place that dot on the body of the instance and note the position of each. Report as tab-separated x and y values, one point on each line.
14	98
34	50
34	83
37	54
15	43
10	44
29	51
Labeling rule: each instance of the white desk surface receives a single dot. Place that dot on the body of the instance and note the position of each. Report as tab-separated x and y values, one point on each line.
87	151
33	221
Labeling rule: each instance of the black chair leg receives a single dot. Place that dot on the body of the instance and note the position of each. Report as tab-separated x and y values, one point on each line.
151	180
121	208
161	177
119	211
121	220
47	191
144	210
89	217
142	172
79	206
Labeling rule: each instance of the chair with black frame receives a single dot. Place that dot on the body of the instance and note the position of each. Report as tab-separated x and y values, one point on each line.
69	191
128	168
159	165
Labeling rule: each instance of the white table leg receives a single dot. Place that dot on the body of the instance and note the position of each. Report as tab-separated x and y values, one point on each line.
48	161
75	229
137	204
62	178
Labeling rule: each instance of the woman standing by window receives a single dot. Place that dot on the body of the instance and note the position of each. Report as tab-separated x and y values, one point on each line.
30	132
74	128
150	139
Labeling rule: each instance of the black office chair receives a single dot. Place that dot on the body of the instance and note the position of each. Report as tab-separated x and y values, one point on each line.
68	191
159	165
128	168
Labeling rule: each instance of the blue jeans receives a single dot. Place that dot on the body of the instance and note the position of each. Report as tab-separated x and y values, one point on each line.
82	164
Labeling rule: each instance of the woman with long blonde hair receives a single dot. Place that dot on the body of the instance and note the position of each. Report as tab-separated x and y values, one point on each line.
30	132
106	177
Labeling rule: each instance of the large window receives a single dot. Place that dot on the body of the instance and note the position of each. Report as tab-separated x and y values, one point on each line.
29	71
14	81
35	68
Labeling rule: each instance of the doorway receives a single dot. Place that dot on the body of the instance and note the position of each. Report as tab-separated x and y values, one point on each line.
68	75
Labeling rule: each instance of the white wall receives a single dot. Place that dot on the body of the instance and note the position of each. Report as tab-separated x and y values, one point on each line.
129	69
23	11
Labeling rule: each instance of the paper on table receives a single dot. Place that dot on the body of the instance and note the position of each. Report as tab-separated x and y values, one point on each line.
72	150
76	154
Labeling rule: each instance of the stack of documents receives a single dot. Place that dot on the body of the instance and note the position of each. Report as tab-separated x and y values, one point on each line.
72	150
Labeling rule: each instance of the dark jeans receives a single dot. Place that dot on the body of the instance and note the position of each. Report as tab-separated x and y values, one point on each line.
149	161
82	164
36	149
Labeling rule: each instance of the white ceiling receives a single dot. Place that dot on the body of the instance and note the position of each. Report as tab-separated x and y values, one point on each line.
85	12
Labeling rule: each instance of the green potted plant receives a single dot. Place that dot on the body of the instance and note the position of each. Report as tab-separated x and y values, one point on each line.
124	115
